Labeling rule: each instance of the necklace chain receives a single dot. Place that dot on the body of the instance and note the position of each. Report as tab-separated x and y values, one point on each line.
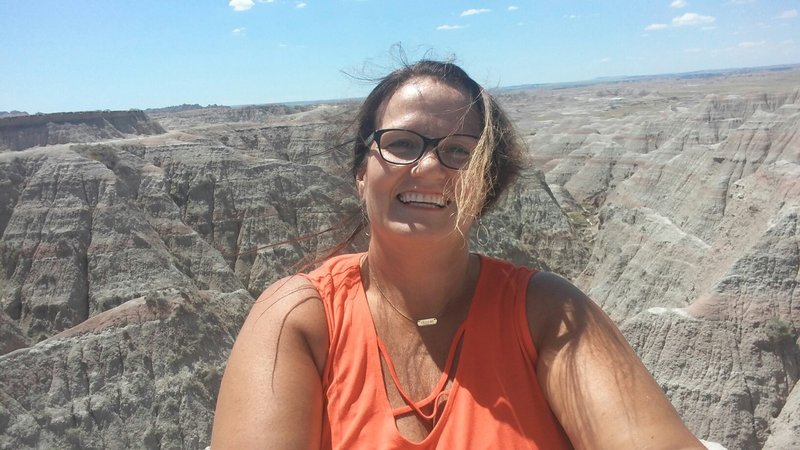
430	321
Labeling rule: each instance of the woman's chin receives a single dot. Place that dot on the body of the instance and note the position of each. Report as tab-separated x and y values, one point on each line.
423	231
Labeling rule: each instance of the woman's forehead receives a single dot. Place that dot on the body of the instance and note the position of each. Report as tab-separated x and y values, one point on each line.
430	103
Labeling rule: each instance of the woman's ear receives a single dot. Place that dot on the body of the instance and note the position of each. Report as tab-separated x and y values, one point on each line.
361	175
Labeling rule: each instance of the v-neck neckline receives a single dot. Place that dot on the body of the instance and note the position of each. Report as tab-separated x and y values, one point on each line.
459	339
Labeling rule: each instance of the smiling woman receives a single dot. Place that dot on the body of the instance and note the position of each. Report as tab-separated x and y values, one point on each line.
419	343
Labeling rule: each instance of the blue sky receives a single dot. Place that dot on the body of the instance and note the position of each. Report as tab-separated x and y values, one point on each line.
61	55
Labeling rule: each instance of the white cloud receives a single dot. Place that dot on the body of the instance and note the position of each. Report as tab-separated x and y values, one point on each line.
690	19
238	30
604	60
300	5
677	4
750	44
449	27
513	8
790	14
240	5
266	1
472	12
571	17
693	50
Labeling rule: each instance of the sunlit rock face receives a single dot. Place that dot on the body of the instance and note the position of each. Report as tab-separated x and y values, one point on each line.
694	187
26	131
128	267
128	262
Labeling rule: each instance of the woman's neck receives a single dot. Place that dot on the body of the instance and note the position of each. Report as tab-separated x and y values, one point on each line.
422	280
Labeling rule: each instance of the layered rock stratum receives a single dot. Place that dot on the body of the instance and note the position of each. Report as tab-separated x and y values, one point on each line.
128	262
18	132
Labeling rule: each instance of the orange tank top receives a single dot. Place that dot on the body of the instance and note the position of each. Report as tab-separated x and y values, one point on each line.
494	400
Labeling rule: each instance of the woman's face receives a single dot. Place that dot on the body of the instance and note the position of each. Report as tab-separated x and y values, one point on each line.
417	199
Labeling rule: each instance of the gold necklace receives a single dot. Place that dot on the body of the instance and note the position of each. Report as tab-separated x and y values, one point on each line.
430	321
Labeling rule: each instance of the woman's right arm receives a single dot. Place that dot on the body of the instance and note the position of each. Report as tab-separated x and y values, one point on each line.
271	393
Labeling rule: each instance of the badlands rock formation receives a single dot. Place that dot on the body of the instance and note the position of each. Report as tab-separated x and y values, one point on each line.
127	265
21	132
694	187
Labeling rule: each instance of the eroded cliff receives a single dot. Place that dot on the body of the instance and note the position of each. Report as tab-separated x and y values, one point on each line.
694	189
126	267
21	132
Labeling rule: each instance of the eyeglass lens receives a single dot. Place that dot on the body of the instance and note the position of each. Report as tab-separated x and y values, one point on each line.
406	147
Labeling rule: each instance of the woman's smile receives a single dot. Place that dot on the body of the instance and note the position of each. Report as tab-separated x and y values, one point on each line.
423	200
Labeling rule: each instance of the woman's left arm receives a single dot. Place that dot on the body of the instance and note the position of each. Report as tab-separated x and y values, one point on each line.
595	383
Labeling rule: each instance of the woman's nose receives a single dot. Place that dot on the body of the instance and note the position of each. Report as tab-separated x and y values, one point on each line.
429	161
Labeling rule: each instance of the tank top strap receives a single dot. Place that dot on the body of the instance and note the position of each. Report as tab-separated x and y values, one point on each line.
437	395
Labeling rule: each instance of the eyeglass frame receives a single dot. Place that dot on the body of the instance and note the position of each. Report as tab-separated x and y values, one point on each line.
426	142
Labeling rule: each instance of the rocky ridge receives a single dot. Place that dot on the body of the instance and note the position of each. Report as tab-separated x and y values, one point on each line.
127	266
695	252
26	131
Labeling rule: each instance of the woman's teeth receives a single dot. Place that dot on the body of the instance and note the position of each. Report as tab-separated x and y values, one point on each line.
425	200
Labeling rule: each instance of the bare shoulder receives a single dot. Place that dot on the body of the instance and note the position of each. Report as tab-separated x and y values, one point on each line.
556	308
548	287
287	294
588	372
566	324
271	392
293	305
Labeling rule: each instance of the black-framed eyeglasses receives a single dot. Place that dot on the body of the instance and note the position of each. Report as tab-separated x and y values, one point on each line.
399	146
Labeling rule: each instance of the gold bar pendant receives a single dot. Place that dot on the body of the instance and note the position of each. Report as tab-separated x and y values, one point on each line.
426	322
